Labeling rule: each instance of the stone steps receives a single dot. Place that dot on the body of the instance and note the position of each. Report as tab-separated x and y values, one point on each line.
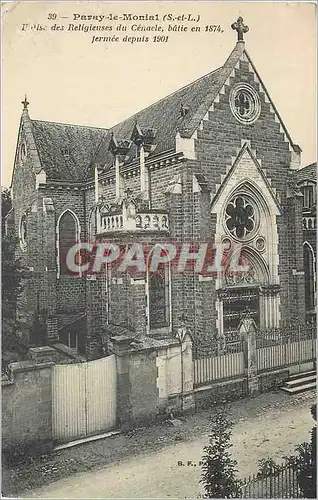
300	382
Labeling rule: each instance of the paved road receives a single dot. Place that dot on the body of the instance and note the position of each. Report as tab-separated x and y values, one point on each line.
158	475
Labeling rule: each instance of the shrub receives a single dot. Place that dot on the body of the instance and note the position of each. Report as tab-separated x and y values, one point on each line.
218	467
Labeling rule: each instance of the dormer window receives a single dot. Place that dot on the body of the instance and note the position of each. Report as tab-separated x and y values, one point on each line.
309	193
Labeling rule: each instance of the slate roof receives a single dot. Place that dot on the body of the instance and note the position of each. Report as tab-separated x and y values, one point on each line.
165	115
88	146
66	151
307	173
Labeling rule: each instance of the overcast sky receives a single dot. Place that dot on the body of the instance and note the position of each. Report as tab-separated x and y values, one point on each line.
69	79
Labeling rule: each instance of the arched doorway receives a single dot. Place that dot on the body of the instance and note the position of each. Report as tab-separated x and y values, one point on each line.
247	290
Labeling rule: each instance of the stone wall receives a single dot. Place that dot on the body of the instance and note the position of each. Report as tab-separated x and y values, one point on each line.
27	410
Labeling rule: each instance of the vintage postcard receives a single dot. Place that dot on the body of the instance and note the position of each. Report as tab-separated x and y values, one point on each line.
158	249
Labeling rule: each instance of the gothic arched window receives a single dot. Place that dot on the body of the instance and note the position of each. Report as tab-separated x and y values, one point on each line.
309	268
92	224
68	235
159	297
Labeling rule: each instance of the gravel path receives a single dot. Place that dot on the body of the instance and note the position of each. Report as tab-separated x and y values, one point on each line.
146	462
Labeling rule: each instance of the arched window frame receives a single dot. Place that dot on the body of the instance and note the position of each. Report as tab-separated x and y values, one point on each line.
167	268
265	226
307	245
77	237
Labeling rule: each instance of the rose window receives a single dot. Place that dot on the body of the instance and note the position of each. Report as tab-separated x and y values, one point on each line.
245	103
240	217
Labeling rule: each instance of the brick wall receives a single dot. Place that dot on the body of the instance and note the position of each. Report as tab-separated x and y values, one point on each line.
71	294
219	139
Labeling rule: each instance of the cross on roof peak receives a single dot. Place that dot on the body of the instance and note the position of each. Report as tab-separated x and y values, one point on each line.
240	27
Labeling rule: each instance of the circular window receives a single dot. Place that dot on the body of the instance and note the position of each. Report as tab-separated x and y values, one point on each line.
23	231
245	104
240	217
260	244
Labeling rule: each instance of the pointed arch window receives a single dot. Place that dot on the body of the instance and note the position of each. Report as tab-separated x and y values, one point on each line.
68	232
310	278
159	283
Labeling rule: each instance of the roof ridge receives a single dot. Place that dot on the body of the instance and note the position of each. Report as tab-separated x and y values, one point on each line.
313	164
71	124
137	112
167	96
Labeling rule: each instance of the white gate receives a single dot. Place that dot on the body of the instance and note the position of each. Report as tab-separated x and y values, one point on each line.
84	399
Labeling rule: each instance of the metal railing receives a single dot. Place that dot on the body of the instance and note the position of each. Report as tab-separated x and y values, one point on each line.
282	484
146	221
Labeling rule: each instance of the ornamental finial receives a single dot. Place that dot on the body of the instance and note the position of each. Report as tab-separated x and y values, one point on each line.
25	102
240	27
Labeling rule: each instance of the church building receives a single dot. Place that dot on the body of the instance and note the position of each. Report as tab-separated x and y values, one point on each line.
212	163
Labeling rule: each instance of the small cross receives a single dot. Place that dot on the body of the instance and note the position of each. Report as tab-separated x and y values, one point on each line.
240	27
25	103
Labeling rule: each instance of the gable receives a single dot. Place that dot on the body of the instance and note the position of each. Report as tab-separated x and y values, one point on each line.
66	151
253	80
245	169
26	160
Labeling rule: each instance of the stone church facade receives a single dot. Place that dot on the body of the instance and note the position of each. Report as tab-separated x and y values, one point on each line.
212	163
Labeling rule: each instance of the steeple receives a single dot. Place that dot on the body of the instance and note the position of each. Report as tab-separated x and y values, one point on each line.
240	27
